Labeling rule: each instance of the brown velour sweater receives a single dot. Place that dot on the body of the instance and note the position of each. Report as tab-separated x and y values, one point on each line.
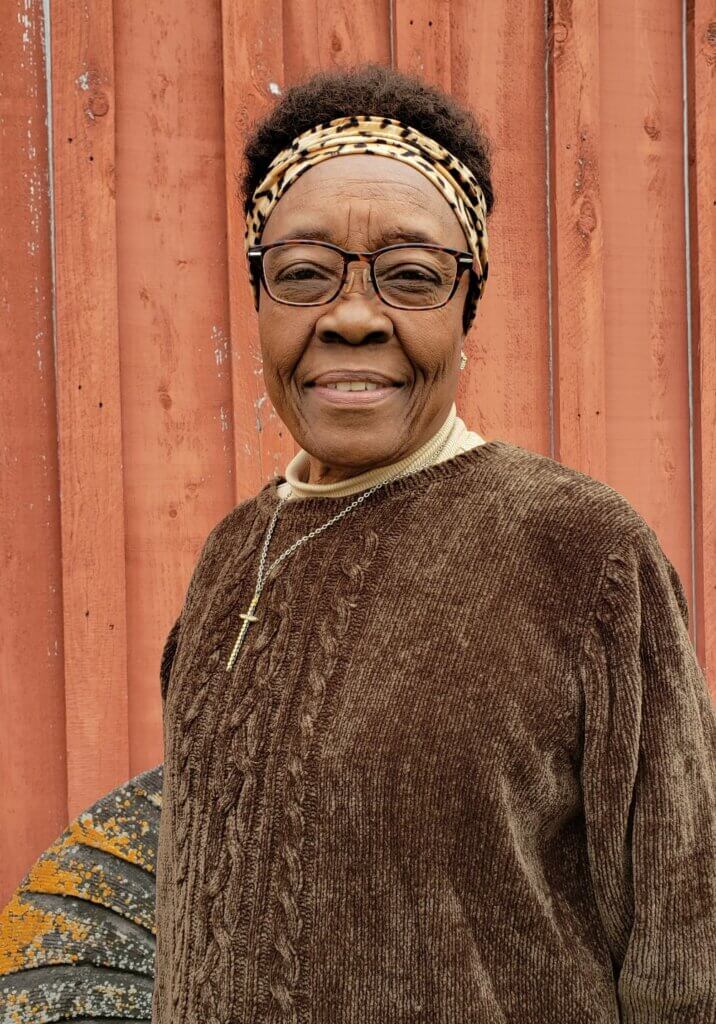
463	770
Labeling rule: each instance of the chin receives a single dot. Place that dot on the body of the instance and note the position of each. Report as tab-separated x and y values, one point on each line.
352	452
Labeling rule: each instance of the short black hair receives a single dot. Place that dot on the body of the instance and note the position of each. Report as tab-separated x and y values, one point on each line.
372	89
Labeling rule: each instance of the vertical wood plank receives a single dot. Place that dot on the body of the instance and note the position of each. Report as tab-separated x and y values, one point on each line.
33	796
701	67
577	237
88	401
175	366
645	323
498	71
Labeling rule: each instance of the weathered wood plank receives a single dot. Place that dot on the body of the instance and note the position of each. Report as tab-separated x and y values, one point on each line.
89	401
645	324
33	796
498	71
701	65
177	438
577	237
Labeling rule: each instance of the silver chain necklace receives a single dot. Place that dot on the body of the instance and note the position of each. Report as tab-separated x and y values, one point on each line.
262	577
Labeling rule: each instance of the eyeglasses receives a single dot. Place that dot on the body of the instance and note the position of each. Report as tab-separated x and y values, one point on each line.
303	272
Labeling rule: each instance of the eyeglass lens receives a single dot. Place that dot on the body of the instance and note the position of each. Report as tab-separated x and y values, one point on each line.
311	274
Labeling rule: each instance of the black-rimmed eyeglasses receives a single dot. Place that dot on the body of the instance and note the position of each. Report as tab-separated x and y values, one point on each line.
409	275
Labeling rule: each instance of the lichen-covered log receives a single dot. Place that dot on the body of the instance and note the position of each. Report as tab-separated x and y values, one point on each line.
77	938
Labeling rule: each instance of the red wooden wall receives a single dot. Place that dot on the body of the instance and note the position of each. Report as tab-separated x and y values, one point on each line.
133	412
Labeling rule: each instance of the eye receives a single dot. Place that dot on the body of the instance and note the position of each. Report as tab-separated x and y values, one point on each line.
415	268
300	272
408	271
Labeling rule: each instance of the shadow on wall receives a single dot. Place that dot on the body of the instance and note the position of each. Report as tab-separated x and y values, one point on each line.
77	938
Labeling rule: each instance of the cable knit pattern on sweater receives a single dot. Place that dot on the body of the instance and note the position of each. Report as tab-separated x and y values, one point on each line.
463	769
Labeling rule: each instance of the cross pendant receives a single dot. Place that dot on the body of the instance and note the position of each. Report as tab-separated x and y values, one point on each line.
248	617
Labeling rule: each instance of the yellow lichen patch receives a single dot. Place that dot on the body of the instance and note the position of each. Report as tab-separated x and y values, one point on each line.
20	927
23	928
110	837
48	875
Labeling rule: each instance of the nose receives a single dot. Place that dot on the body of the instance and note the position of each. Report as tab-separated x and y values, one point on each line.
357	316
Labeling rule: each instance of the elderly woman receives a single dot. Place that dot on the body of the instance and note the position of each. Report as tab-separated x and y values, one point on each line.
437	744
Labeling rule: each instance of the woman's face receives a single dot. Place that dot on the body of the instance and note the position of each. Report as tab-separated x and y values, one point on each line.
361	203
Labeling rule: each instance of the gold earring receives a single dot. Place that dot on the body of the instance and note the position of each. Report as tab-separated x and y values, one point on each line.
463	360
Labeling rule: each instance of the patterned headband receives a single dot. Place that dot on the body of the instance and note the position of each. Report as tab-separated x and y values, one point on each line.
383	136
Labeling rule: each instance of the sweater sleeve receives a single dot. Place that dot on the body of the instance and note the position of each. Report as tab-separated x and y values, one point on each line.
648	776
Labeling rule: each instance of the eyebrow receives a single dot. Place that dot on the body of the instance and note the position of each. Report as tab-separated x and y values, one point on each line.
388	236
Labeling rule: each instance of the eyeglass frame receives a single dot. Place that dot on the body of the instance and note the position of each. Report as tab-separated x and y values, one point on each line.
464	261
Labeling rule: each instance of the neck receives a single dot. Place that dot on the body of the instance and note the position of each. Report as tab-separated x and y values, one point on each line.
451	438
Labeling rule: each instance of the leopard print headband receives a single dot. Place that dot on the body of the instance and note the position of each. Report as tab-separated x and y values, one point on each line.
384	136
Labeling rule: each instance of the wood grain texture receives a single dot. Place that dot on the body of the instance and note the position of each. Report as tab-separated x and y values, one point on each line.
577	237
89	409
498	72
33	790
325	34
645	323
701	98
422	40
148	420
175	350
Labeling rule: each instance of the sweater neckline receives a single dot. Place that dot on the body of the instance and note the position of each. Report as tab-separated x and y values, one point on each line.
268	497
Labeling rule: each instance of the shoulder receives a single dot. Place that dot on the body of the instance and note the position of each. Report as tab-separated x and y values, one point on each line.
584	539
557	523
594	528
545	498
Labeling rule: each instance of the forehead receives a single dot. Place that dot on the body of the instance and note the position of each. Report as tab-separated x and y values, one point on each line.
385	186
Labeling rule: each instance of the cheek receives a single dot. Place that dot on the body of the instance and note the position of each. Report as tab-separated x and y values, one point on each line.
283	336
430	343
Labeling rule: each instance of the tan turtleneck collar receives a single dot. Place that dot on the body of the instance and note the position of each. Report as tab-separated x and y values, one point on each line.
451	439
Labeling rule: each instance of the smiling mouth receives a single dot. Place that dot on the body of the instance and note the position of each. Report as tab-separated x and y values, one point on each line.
353	393
354	385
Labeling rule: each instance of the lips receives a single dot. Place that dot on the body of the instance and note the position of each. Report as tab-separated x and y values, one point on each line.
337	376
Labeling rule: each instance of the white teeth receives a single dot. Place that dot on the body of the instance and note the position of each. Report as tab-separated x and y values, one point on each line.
354	385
